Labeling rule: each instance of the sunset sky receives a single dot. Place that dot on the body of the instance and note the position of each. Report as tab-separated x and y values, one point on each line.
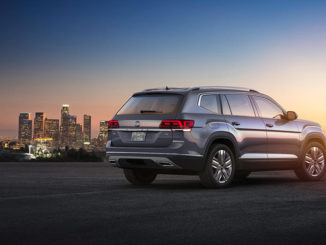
93	55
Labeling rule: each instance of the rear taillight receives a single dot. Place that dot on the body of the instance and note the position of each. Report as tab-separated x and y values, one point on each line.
113	124
177	124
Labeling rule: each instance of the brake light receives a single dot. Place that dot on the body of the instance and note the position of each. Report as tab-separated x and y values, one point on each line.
177	124
113	124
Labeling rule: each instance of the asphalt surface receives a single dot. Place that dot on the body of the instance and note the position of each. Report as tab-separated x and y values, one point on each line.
91	203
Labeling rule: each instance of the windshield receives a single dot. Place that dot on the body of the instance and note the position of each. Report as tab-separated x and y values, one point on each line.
152	104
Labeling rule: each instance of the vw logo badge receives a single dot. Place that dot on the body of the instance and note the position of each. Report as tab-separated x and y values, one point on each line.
137	124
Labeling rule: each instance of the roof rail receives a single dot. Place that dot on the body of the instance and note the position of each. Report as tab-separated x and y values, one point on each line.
203	87
166	88
224	88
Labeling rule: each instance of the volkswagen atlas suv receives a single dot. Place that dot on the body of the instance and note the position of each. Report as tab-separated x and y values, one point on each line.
221	134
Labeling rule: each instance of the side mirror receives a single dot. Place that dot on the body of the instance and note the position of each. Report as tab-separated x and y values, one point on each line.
291	115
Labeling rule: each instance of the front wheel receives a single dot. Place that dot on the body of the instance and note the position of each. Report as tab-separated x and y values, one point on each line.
220	167
139	176
312	163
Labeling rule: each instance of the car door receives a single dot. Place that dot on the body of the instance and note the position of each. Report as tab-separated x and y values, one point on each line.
283	135
245	125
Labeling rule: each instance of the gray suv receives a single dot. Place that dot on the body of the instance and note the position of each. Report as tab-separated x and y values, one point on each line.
221	134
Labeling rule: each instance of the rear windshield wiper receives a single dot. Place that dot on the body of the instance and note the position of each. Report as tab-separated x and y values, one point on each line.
149	111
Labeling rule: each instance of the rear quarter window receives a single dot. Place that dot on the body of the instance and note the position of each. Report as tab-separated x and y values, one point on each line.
152	104
210	102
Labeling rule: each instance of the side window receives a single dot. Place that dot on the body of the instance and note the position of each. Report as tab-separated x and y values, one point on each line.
210	102
240	105
225	105
267	108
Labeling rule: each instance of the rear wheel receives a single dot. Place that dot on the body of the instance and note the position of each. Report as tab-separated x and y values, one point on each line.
220	167
312	163
139	176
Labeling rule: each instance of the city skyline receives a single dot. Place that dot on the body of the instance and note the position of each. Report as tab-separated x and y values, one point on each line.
45	136
64	53
81	118
59	130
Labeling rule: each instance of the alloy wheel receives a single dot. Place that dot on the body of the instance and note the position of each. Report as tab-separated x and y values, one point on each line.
314	161
222	166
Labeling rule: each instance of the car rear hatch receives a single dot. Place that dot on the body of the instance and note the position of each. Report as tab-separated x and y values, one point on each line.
139	122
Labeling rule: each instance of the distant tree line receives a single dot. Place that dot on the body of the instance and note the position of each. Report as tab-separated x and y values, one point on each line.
66	155
73	155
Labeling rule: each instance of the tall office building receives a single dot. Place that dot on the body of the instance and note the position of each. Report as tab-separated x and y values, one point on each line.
103	134
79	142
64	128
64	110
39	125
51	130
25	128
103	129
72	120
87	128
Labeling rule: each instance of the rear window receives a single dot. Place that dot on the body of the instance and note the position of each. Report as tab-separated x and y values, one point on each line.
152	104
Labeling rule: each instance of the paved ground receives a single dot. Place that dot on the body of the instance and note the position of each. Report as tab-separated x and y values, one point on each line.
91	203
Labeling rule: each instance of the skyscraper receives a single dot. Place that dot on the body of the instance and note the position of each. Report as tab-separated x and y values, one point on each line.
64	128
87	128
103	134
79	137
104	129
39	125
72	120
25	128
65	110
51	130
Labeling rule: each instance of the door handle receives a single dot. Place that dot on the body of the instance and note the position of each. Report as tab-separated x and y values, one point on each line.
235	123
269	125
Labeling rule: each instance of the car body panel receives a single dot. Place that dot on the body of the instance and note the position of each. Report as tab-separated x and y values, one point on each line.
283	137
250	134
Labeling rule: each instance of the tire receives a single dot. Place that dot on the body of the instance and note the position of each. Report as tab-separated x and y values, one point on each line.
220	172
241	175
139	176
312	163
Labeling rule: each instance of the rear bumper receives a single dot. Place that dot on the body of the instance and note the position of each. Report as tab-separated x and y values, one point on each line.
154	160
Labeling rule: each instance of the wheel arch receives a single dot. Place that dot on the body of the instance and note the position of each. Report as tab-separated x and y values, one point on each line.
222	138
314	137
